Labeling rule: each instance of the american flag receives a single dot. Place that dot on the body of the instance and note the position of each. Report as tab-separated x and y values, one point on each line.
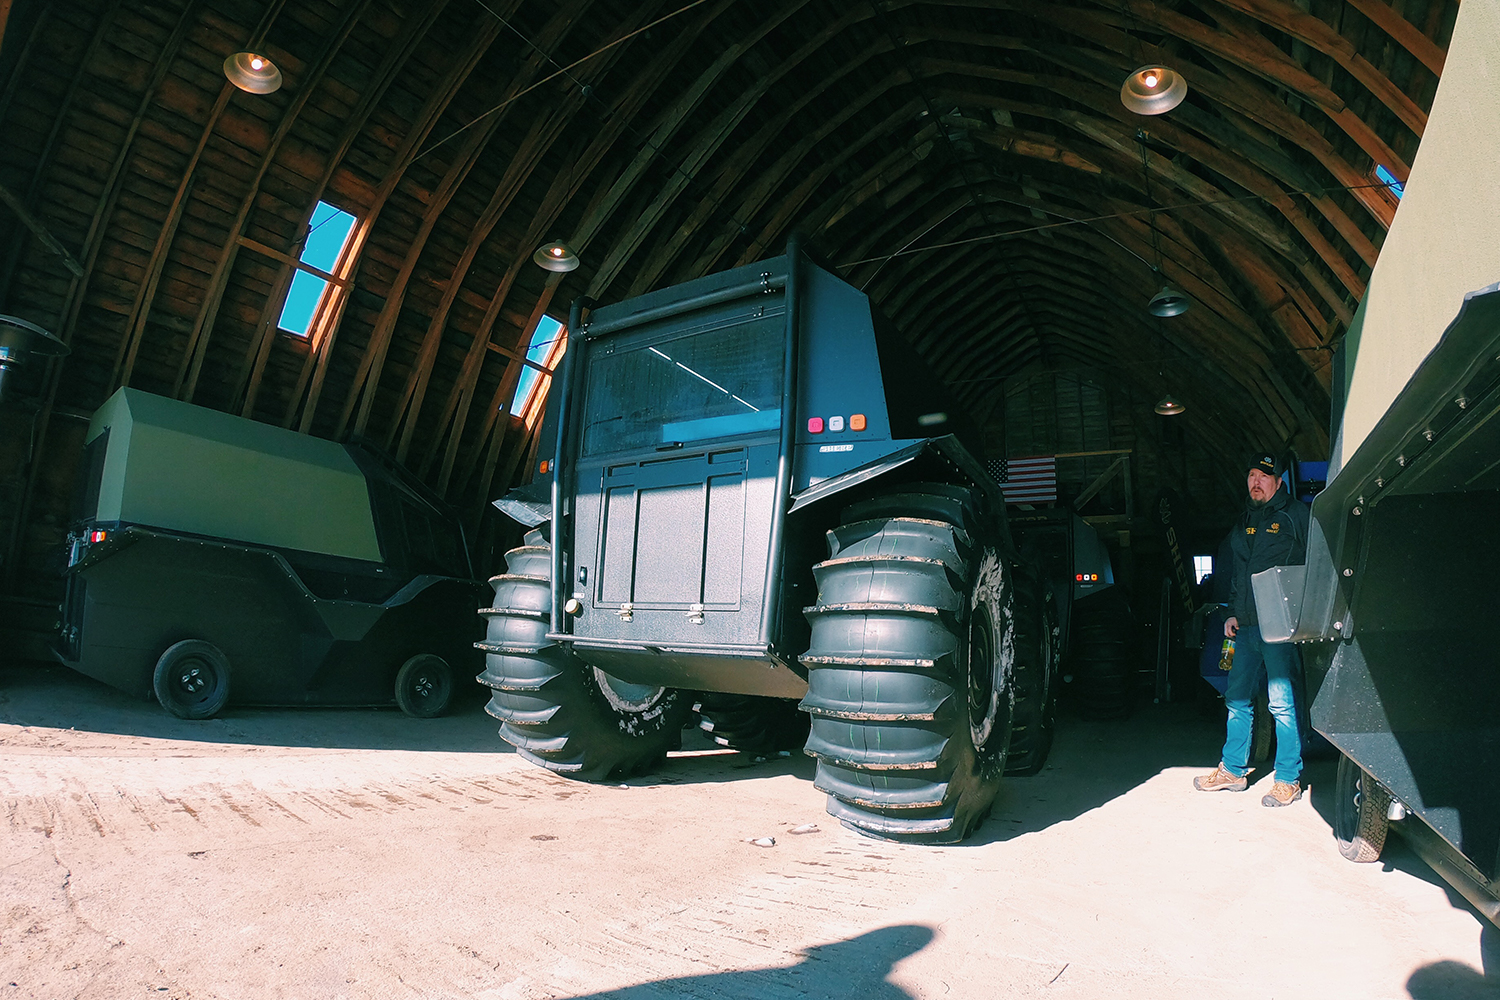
1027	480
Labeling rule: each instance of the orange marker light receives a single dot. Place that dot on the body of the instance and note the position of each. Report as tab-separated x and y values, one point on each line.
857	422
544	467
98	536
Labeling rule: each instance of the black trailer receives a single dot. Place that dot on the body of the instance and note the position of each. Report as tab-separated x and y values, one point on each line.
220	560
751	492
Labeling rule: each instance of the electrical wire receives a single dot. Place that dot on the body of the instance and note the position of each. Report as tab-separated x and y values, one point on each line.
562	70
1105	218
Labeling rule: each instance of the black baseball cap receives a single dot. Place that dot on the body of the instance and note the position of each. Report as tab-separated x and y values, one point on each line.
1264	461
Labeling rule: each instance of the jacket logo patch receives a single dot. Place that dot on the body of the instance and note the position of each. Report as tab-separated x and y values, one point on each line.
1274	529
1249	531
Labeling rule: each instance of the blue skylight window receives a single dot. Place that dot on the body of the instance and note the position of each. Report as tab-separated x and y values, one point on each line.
326	238
1384	176
545	344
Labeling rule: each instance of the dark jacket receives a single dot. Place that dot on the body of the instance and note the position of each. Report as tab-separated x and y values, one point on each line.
1272	535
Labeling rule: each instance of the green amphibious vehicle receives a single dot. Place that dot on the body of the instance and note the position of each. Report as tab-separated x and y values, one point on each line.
754	498
215	559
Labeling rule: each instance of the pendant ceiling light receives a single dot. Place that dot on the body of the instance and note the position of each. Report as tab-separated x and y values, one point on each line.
556	257
1153	90
253	73
1168	302
20	340
1170	406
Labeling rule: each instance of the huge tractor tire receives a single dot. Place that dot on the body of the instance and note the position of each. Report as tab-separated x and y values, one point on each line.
1101	660
1360	820
556	710
910	667
753	725
1036	675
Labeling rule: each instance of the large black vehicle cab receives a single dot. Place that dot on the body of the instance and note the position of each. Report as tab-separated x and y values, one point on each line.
762	495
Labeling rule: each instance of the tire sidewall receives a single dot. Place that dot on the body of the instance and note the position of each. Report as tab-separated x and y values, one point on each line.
180	655
661	711
991	608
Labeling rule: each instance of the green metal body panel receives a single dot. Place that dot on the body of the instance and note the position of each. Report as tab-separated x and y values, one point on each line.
186	468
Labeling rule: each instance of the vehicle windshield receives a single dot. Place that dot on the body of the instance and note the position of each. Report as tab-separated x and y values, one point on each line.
715	384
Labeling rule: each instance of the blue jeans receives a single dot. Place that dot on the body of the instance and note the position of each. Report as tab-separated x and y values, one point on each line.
1282	670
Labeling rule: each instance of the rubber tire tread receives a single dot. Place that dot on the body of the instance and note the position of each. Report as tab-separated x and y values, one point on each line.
549	702
752	724
1101	656
907	770
1364	824
1036	676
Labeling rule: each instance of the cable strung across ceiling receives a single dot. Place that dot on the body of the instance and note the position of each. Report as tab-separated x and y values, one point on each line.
1182	194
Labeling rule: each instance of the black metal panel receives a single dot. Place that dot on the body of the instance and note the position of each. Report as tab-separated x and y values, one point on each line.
751	670
142	591
1401	556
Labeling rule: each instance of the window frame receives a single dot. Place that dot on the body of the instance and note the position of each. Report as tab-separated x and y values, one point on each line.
328	303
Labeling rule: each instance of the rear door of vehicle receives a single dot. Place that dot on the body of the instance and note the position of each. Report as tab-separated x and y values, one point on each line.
675	481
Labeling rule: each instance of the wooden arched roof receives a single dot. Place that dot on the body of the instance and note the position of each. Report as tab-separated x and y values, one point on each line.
968	162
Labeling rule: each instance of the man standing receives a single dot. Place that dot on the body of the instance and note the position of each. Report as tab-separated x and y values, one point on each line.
1271	532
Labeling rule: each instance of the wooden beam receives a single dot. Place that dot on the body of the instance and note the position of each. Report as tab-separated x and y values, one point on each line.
203	326
411	34
544	133
40	231
1317	33
1406	34
288	259
459	70
145	297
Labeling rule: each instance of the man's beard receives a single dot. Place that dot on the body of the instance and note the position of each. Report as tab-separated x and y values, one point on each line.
1259	503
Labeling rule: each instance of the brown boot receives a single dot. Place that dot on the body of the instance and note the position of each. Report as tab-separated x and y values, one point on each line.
1282	793
1221	781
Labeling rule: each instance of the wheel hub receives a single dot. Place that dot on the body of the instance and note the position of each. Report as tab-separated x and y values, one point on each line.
625	696
193	681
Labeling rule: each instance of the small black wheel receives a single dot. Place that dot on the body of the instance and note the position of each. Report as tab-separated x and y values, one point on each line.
1360	805
424	686
191	679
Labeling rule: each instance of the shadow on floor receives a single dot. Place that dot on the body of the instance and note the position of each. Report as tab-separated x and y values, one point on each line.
857	967
1457	981
1094	762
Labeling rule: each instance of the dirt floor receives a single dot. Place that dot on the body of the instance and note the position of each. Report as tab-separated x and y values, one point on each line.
364	854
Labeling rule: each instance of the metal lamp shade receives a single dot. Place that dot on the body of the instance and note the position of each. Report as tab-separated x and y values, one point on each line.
20	340
1153	90
252	73
1168	302
1170	406
555	257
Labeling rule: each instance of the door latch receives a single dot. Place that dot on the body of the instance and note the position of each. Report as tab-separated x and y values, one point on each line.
695	614
626	612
